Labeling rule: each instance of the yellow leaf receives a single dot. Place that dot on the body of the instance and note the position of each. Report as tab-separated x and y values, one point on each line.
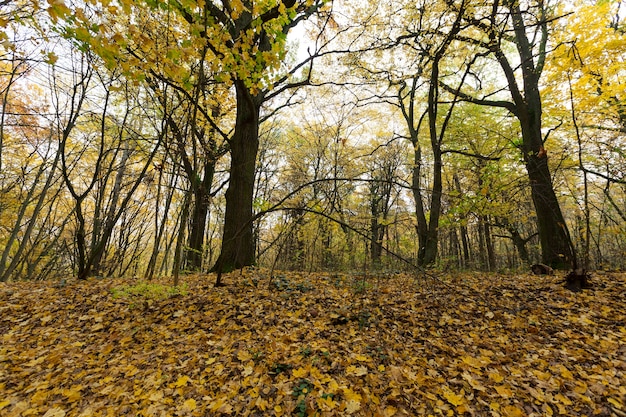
454	399
261	403
39	398
362	358
504	391
72	395
474	383
244	355
356	370
563	399
300	372
565	373
4	404
616	403
351	395
326	403
544	376
495	376
512	411
580	387
182	381
247	370
352	406
190	404
156	396
55	412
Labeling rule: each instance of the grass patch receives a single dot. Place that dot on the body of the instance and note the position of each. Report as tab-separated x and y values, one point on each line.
149	290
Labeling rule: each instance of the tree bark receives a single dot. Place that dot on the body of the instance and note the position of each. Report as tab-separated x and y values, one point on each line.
201	196
238	247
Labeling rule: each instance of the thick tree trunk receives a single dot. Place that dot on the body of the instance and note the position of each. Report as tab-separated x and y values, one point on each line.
238	248
556	246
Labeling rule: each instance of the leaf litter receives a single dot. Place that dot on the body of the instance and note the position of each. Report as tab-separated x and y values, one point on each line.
315	344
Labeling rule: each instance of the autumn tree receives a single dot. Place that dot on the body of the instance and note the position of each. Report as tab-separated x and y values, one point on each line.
586	97
246	41
497	30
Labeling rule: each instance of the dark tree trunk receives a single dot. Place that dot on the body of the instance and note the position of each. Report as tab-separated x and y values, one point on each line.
420	213
238	248
430	247
201	196
556	246
463	229
491	255
377	235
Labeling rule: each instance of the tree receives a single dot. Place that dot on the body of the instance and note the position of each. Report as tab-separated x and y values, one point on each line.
247	43
525	26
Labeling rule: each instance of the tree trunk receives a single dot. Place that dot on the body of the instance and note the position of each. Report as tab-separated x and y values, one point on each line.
201	193
556	246
420	213
238	249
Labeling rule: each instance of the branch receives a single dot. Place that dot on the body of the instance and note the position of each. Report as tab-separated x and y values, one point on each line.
471	155
511	107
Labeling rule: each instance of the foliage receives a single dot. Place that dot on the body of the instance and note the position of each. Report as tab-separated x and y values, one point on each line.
465	344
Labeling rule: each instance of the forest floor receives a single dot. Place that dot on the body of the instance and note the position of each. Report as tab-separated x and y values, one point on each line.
314	344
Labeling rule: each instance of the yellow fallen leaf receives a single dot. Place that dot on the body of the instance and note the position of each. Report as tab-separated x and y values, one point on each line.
247	370
472	361
190	404
580	387
182	381
565	373
352	406
96	327
39	398
300	372
326	403
495	376
55	412
563	399
512	411
4	403
544	376
351	395
616	403
72	395
504	391
454	399
473	382
356	370
156	396
244	355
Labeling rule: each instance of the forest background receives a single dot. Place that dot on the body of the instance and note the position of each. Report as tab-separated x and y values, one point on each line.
157	137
